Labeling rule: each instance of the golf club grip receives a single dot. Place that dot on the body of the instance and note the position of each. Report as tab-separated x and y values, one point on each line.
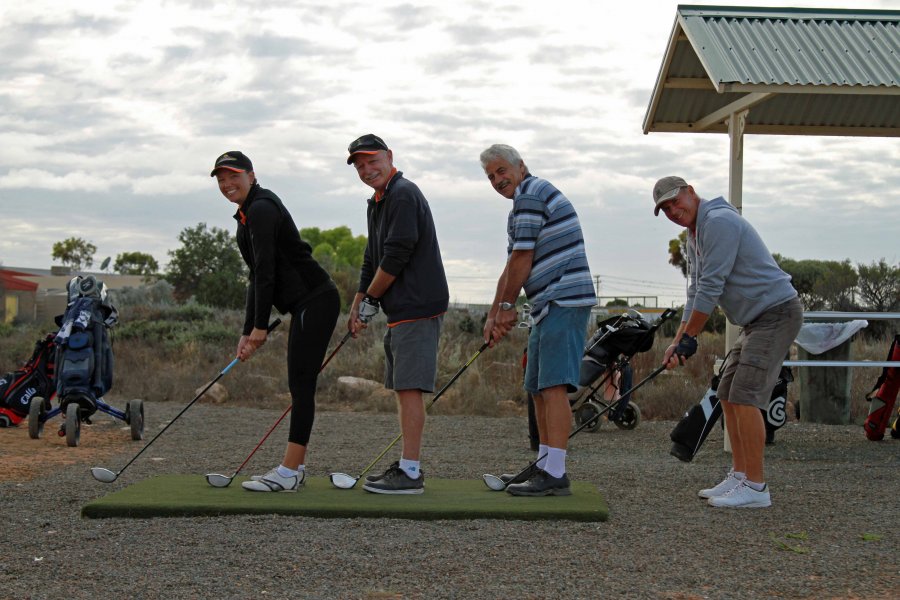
273	325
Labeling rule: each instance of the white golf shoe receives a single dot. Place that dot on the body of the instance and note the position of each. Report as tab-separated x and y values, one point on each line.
273	482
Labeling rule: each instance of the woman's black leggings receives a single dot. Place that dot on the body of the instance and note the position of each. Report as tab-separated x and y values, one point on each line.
311	329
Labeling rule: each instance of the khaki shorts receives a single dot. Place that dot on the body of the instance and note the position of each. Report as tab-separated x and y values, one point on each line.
754	362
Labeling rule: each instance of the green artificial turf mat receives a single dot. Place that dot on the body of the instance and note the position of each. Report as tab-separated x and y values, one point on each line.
191	495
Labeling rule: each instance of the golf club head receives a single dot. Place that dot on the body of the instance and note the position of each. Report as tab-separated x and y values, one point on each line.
493	482
217	480
103	475
343	481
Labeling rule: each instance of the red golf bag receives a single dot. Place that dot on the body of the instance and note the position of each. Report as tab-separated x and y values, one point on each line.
35	378
883	397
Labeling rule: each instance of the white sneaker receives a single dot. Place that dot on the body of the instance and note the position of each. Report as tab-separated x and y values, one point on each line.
273	482
723	487
742	496
302	473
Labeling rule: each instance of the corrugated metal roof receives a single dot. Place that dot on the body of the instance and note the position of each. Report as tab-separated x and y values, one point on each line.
827	71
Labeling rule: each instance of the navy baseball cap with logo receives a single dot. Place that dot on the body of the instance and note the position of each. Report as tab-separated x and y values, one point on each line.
365	144
233	161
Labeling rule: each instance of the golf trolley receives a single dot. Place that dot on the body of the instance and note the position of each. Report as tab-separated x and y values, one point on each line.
83	366
606	369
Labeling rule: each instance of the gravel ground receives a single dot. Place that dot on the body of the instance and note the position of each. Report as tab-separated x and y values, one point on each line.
831	532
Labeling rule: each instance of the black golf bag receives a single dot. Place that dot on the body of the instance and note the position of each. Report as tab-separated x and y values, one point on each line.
84	359
694	427
883	397
606	369
35	378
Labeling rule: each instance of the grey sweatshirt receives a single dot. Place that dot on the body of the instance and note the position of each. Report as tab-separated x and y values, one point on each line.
730	266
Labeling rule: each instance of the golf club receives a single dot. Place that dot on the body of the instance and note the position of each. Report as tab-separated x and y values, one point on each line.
107	476
498	485
345	481
222	481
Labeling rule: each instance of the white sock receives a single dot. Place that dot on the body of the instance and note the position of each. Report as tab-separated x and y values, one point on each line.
411	468
556	462
739	475
542	456
285	472
755	486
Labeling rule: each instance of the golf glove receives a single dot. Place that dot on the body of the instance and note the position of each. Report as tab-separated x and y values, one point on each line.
368	308
687	346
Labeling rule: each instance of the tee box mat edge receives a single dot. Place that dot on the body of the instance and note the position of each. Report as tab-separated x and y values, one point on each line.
192	496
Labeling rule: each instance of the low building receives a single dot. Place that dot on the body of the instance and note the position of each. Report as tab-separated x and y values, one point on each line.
37	295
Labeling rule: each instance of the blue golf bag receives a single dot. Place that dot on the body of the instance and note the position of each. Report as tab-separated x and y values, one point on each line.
84	359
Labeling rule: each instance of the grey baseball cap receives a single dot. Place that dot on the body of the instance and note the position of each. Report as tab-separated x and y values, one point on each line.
666	189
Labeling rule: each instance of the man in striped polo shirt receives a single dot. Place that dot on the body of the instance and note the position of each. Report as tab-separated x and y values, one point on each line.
545	256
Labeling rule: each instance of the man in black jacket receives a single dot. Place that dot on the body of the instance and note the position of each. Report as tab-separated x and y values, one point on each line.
402	273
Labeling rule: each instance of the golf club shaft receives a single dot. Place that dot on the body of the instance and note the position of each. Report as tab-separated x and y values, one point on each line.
288	409
272	326
430	404
655	372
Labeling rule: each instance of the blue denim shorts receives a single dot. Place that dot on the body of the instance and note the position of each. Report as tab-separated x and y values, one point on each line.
555	347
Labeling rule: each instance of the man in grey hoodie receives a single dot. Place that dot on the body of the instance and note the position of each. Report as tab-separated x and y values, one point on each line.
729	266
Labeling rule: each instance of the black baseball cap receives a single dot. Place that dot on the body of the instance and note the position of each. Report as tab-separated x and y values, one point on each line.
233	161
365	144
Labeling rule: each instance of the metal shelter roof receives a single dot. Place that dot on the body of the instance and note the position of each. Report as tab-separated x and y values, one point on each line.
799	71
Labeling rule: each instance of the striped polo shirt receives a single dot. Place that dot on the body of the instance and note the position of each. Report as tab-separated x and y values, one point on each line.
543	220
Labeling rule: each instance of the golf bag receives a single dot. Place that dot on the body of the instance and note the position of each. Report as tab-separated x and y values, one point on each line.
606	369
883	397
694	427
35	378
84	359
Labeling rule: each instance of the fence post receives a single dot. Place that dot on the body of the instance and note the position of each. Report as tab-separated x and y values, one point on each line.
825	391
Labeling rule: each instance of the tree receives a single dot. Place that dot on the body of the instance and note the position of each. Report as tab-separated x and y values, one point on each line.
74	252
879	285
340	253
208	267
135	263
676	252
821	284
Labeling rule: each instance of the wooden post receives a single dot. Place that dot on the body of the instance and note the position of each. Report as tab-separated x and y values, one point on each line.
825	391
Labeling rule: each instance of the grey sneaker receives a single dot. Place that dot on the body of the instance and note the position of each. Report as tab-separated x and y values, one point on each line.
396	481
723	487
542	484
377	476
510	478
742	496
273	482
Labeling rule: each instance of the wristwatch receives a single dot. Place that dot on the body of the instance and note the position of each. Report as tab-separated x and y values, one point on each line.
506	306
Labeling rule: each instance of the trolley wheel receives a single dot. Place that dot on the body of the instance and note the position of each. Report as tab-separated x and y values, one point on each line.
589	411
36	417
73	424
631	417
135	414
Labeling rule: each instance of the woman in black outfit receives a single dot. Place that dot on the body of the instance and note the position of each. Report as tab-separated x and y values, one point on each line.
283	274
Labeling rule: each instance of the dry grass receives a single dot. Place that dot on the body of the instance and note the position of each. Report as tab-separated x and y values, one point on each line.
193	349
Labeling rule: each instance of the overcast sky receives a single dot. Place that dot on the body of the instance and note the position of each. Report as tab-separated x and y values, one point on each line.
112	113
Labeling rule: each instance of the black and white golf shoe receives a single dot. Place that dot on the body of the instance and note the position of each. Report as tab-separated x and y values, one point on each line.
542	484
396	481
273	482
511	478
